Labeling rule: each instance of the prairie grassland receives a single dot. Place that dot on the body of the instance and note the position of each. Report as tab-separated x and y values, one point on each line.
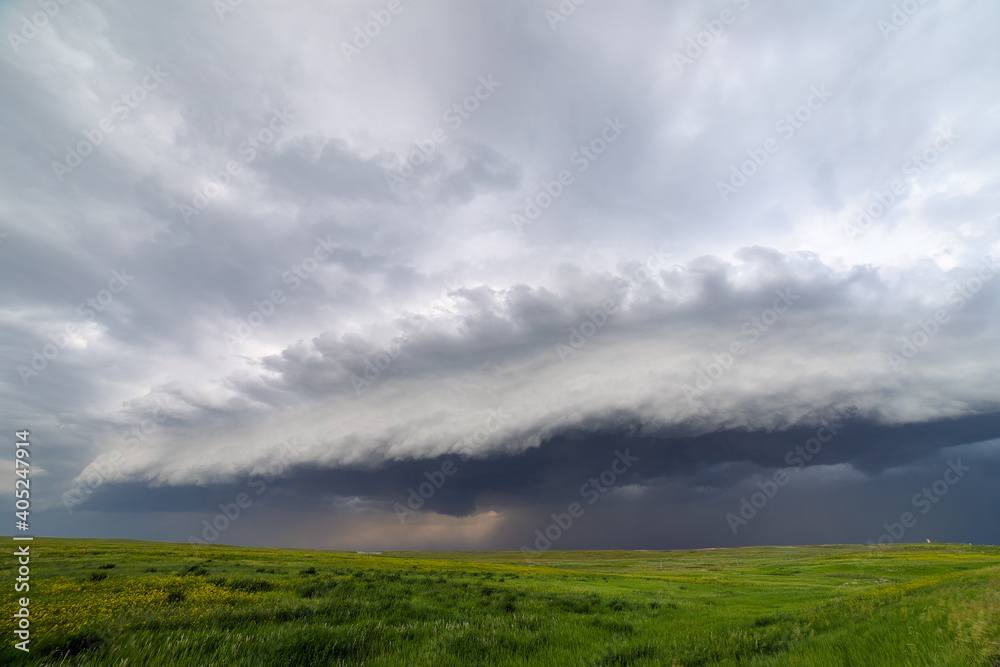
120	602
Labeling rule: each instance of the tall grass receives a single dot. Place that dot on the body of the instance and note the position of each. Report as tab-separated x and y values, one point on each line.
907	605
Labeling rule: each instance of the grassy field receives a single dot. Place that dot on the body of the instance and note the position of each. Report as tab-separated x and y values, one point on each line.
120	602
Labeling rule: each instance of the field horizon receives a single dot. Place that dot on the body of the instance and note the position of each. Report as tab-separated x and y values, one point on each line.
105	601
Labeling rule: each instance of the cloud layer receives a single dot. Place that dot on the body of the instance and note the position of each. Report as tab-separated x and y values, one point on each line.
267	242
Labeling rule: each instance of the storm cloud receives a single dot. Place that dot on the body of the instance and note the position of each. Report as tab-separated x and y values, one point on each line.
305	256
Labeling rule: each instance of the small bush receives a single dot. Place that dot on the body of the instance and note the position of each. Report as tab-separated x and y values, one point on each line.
314	589
578	604
83	641
617	627
628	655
251	585
320	647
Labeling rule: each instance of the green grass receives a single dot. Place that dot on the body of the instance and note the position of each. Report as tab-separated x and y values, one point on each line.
105	602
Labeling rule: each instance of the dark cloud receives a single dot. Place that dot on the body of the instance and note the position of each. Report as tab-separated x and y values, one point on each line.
304	293
693	476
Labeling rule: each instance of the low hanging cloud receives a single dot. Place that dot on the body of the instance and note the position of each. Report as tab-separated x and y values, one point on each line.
767	342
507	236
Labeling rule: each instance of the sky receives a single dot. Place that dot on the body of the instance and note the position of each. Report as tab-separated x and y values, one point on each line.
426	274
